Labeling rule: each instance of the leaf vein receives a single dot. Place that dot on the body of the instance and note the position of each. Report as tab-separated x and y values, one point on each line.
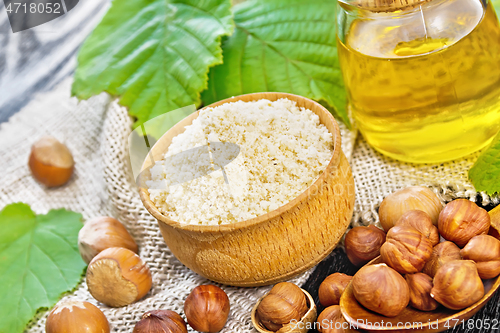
203	11
195	37
51	260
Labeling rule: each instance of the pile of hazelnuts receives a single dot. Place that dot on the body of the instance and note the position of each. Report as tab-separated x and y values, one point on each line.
117	276
430	256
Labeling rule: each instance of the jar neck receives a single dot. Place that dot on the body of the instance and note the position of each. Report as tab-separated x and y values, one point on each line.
364	8
384	6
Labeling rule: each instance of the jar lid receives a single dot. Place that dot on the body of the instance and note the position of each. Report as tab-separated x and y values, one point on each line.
387	5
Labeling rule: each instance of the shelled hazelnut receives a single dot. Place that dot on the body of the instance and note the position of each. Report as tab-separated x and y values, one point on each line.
441	254
331	320
421	221
484	250
381	289
101	233
283	309
332	288
462	219
118	277
156	321
414	197
457	285
207	308
406	249
76	317
420	285
362	244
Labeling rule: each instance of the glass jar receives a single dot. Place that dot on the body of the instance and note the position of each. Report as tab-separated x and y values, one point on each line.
423	81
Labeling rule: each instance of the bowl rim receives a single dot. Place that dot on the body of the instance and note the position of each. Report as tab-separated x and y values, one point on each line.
334	162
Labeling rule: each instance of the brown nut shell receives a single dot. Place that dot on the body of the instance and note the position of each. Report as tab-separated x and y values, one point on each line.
331	320
284	303
420	285
414	197
362	244
457	285
332	288
381	289
166	321
406	249
484	250
118	277
441	254
101	233
76	317
462	219
207	308
51	162
421	221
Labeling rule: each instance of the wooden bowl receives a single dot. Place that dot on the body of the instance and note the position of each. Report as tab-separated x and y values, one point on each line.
438	320
301	327
272	247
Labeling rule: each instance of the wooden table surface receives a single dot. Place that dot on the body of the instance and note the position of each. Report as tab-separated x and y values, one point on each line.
36	60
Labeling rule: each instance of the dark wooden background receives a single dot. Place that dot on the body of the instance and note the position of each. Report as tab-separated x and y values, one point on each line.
36	60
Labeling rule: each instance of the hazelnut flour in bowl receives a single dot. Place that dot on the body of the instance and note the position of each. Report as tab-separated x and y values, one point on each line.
280	150
251	190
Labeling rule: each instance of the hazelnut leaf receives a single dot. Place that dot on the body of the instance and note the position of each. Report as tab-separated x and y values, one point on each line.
39	261
485	173
285	46
153	54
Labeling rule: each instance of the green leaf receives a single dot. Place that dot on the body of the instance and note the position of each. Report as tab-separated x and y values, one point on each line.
154	54
285	46
496	5
39	260
485	173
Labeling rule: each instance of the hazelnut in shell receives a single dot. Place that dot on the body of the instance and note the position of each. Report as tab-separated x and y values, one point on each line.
406	249
462	219
332	288
160	321
484	250
51	162
331	320
421	221
118	277
420	285
441	254
207	308
76	317
414	197
101	233
381	289
457	285
362	244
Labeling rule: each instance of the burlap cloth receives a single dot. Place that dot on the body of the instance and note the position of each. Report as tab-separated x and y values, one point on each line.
96	132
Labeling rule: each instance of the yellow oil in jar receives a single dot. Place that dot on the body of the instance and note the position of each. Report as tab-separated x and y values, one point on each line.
425	87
